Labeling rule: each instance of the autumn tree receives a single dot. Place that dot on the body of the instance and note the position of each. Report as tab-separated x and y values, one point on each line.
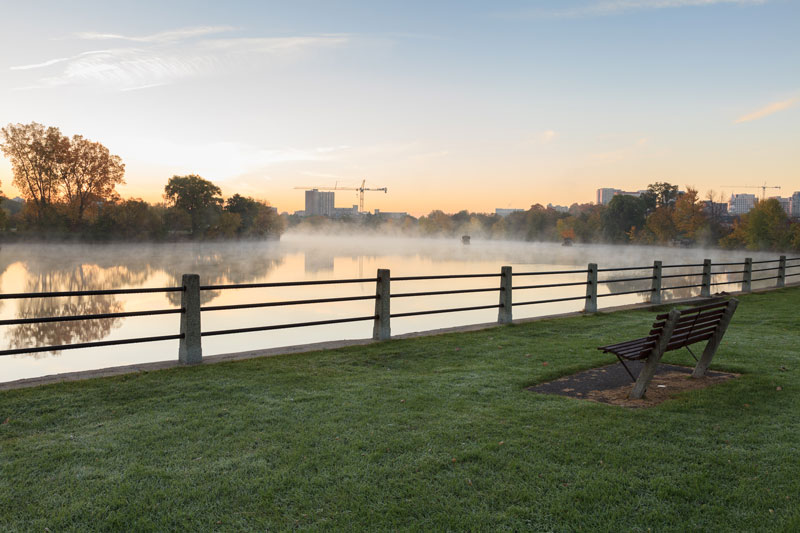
688	216
89	173
198	198
50	168
35	153
765	227
661	225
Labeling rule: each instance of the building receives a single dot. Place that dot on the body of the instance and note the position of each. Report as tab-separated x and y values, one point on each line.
390	214
319	203
559	208
786	204
339	212
505	212
605	195
715	209
794	203
739	204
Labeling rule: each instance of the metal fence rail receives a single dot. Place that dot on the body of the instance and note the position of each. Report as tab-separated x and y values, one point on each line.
190	348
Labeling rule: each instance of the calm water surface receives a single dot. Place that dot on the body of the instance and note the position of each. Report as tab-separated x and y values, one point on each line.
49	267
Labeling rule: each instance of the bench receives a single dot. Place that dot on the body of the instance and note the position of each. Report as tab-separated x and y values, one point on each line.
672	331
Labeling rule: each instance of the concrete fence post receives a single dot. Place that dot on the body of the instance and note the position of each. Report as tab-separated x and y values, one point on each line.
781	272
382	330
747	278
705	290
591	289
655	290
504	314
190	350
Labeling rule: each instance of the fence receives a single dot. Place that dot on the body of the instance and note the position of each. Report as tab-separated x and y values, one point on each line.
191	334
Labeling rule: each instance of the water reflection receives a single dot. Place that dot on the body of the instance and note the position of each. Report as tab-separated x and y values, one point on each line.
65	269
58	333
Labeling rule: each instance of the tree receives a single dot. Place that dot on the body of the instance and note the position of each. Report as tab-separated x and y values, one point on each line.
661	224
689	217
660	194
624	214
35	153
765	227
199	198
89	174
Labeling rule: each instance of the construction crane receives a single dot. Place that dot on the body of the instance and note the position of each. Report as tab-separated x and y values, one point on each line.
762	187
359	189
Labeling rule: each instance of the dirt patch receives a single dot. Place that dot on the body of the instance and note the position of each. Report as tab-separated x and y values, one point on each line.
611	384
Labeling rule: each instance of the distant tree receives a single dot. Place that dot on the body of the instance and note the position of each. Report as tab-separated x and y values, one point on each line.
198	198
436	223
661	224
132	219
257	218
660	194
689	218
623	215
88	175
765	227
589	222
35	153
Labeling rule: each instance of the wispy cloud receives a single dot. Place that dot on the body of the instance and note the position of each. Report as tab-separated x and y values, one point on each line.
611	7
161	37
768	110
169	56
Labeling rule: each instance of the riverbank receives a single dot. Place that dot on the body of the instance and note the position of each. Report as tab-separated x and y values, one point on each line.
422	433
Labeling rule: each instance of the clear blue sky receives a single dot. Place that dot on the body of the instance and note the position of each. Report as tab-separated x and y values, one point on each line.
450	105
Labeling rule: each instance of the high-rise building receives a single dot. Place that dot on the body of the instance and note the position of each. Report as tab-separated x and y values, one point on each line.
605	195
786	204
739	204
794	202
319	203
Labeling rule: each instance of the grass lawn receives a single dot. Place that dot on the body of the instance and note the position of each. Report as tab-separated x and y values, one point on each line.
434	433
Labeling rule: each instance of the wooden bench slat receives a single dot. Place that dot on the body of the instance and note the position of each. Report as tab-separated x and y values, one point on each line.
704	323
693	339
698	309
684	320
611	347
689	334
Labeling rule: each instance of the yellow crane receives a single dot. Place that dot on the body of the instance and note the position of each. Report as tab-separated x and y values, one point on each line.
359	189
762	187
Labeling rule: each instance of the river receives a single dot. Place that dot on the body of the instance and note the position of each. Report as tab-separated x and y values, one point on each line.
71	267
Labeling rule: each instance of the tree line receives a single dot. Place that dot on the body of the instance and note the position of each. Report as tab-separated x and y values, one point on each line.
661	216
69	187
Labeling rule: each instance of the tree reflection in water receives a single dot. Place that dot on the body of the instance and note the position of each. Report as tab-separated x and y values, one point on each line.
61	269
57	333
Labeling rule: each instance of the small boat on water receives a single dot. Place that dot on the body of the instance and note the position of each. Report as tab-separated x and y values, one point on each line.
465	239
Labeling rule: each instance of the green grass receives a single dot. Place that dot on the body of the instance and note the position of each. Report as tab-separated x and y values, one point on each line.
434	433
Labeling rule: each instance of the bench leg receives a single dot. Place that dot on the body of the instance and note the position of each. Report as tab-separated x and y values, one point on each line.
715	340
650	365
647	373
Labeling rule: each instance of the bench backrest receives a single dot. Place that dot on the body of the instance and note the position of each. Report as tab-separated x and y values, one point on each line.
692	325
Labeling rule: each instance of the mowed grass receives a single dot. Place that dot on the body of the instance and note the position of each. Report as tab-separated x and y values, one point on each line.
434	433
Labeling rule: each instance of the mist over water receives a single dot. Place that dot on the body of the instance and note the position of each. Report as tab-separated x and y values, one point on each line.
69	267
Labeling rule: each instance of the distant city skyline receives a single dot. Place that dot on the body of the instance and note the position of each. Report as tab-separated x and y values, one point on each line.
449	105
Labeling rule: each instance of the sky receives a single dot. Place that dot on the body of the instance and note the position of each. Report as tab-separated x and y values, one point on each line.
450	105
